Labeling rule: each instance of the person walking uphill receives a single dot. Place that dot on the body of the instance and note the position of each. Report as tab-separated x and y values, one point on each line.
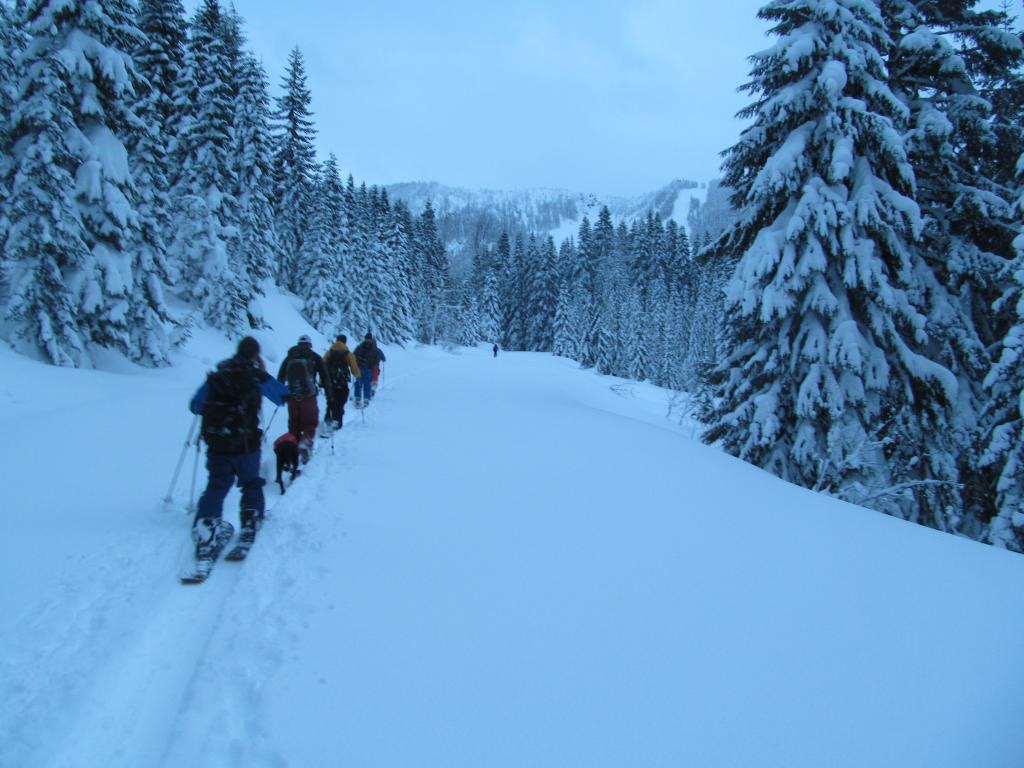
299	372
340	362
368	358
229	402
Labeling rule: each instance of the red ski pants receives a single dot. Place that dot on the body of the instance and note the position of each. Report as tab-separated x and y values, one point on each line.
303	418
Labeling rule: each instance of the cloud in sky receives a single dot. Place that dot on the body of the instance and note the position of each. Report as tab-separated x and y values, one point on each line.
616	97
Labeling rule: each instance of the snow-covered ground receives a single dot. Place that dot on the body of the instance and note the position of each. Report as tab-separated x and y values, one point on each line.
509	562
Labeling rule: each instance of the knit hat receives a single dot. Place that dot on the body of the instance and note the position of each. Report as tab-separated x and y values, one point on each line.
249	348
304	339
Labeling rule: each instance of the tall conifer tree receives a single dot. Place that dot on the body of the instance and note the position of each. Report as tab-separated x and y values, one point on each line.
258	246
77	114
205	248
294	166
937	52
826	362
45	240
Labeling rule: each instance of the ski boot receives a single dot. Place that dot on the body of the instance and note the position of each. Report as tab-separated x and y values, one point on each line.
211	535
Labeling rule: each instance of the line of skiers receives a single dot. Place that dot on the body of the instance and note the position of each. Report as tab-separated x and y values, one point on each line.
229	404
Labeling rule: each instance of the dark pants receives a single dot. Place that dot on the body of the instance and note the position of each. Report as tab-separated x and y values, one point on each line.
336	403
303	418
224	470
364	386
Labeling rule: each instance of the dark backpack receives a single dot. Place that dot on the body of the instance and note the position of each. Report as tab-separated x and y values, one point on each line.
366	357
232	410
298	377
338	368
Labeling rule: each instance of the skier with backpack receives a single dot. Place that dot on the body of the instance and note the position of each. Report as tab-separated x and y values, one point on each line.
340	363
229	403
299	372
368	358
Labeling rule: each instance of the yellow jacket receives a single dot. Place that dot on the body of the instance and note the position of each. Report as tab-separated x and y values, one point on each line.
339	348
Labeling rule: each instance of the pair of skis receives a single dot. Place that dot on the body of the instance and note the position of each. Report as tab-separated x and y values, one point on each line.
203	565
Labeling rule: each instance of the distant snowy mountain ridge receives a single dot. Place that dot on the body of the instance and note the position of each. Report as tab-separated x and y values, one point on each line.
469	218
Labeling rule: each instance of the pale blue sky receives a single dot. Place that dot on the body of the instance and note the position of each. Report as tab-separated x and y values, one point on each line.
609	97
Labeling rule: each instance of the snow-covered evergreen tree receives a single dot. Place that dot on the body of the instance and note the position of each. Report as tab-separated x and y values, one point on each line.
382	288
12	43
606	346
102	85
1003	417
294	167
160	59
826	382
355	301
436	314
543	297
321	276
704	319
77	114
468	330
683	247
566	324
996	72
638	364
205	249
399	319
232	34
583	289
967	220
490	308
258	247
46	241
508	292
644	258
149	320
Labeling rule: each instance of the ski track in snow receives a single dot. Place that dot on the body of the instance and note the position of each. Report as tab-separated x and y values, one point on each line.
514	562
122	639
191	642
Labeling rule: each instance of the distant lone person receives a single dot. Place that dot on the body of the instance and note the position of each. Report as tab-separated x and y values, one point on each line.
495	350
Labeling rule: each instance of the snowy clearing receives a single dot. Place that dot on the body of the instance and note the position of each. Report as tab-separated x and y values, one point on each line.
509	562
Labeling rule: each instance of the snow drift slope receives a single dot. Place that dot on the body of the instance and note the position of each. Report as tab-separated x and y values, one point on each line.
509	562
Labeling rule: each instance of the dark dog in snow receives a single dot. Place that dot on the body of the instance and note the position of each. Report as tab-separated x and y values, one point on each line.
286	447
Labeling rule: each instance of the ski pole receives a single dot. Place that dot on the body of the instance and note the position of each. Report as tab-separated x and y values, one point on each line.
181	459
267	430
195	471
